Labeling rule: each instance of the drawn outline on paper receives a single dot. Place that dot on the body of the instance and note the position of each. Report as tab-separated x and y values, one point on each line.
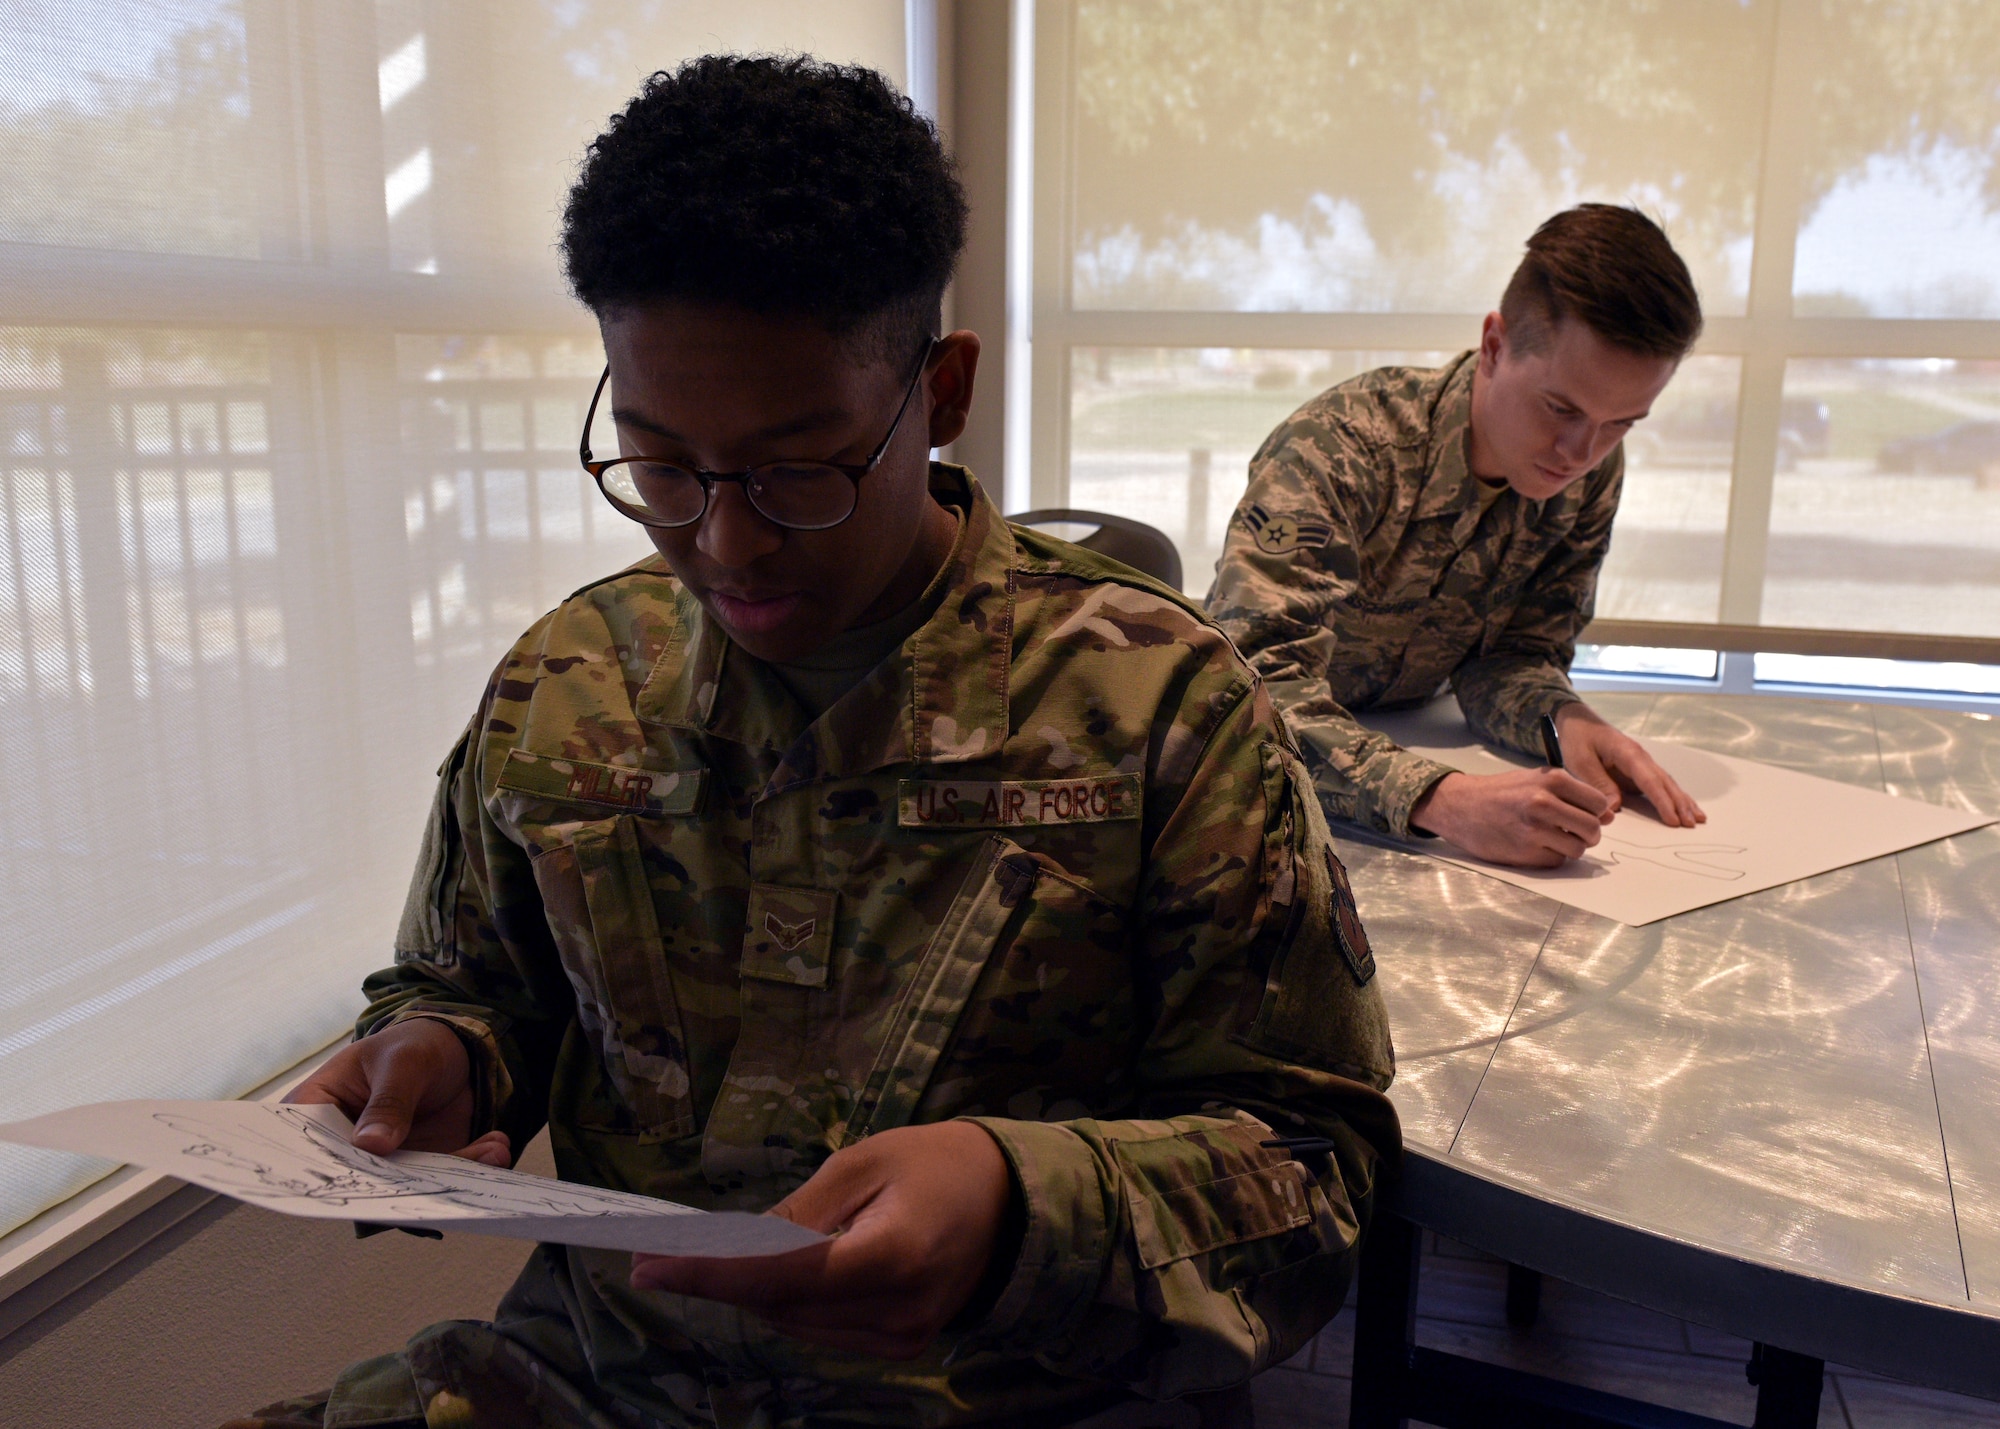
273	1167
1679	858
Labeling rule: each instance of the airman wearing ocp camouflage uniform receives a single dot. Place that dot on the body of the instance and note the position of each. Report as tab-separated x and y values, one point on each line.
1053	866
1367	567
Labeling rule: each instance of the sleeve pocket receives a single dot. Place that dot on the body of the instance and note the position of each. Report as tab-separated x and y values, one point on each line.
425	932
1176	1220
1321	1006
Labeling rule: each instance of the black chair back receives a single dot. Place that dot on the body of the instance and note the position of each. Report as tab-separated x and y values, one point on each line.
1144	548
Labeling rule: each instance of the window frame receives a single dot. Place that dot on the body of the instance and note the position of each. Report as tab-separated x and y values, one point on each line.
326	281
1766	337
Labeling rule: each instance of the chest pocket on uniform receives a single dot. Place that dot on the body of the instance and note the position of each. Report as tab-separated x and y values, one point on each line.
600	908
1023	955
921	1021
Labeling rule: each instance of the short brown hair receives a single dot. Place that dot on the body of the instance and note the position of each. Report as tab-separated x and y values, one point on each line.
1612	269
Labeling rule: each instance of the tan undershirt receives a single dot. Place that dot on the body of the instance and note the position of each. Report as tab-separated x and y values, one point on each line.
818	680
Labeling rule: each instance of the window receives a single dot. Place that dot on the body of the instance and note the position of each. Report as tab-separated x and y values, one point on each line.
289	399
1234	201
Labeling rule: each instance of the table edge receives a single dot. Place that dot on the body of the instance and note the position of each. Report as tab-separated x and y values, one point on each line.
1935	1343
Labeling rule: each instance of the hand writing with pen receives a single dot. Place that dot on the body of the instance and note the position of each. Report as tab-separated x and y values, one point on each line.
1537	818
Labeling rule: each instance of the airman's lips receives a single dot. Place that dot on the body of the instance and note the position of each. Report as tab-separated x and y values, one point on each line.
754	614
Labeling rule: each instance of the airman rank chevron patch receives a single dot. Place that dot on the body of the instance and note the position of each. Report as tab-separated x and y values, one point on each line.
1281	535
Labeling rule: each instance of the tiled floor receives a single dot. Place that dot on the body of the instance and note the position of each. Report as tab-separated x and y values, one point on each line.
1594	1340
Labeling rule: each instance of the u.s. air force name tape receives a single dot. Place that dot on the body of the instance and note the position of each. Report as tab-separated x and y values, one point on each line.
1281	535
1007	803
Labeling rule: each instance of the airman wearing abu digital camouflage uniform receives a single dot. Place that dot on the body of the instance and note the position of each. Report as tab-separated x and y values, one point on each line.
862	856
1418	526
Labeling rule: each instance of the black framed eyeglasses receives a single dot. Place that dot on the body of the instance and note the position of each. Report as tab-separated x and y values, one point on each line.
798	495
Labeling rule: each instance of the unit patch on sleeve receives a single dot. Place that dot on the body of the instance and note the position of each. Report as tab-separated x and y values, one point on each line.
1007	803
1281	535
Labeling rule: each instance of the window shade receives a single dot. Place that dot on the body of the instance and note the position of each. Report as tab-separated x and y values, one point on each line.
289	398
1233	197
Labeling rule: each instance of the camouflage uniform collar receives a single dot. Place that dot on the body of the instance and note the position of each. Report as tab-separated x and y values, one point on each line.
959	659
1449	485
943	701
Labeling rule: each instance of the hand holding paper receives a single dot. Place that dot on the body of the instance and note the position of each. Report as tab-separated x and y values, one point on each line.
917	1211
301	1160
406	1088
1616	764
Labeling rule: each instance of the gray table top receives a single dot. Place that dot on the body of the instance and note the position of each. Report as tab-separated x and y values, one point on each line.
1798	1086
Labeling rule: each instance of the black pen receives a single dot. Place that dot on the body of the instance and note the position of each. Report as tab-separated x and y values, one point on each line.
1551	745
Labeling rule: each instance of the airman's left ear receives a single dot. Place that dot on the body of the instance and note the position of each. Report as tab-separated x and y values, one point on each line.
1492	343
954	363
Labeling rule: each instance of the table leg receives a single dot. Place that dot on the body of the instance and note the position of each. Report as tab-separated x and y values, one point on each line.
1788	1388
1524	1296
1385	1322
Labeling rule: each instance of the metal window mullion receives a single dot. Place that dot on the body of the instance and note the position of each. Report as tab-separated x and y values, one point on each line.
1367	332
1892	337
111	719
143	631
1760	397
139	578
65	524
437	544
94	460
31	676
248	741
200	683
319	668
190	560
1050	272
232	530
478	586
143	577
345	390
280	99
1746	540
432	566
531	499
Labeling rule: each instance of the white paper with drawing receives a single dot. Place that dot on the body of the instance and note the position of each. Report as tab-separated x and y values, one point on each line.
1766	826
299	1160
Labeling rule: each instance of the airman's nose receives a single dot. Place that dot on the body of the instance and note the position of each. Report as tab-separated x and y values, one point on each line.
734	533
1576	442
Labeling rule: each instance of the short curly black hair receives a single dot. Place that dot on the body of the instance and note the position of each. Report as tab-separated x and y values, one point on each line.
781	185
